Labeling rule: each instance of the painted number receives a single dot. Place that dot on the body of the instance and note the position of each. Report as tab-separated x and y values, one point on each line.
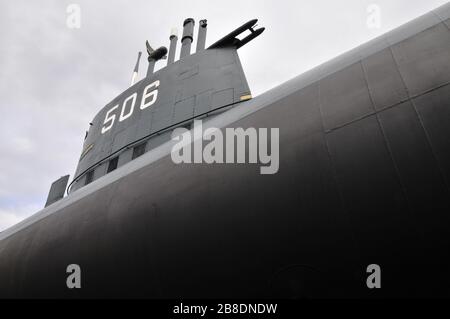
149	96
124	106
109	118
153	95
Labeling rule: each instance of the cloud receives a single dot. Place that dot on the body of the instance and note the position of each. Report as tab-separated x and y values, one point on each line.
8	219
12	214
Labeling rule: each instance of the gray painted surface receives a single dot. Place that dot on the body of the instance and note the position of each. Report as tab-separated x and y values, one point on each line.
57	190
172	49
201	38
368	186
187	38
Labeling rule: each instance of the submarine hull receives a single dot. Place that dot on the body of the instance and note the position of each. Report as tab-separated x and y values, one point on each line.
364	171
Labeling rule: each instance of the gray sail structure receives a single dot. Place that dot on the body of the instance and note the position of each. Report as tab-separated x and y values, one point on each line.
193	87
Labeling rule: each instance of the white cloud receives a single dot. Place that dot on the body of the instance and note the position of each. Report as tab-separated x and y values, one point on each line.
8	219
11	215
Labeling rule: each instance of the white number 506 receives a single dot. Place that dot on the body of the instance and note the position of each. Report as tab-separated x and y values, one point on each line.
149	96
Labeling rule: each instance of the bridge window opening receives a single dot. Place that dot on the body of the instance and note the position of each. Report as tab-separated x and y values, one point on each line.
89	177
112	165
139	150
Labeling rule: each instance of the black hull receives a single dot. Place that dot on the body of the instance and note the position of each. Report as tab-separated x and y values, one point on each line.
363	179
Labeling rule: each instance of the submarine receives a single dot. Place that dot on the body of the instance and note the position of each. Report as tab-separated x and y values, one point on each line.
361	182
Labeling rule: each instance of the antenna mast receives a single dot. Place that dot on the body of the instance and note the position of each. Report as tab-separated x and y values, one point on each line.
136	69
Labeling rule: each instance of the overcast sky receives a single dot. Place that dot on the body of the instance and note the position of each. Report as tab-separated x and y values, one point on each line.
54	79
